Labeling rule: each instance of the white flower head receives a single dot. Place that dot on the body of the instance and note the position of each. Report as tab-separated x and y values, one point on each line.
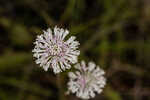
52	50
86	81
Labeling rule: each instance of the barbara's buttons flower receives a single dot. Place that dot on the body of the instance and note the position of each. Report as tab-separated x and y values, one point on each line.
87	81
51	50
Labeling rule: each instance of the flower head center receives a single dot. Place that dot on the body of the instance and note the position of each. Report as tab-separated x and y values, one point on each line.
85	80
55	50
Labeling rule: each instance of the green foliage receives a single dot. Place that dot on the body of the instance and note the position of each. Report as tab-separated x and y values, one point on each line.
20	35
112	94
112	33
11	59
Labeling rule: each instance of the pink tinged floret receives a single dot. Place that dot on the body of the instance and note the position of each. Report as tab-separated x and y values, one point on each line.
51	50
82	82
86	81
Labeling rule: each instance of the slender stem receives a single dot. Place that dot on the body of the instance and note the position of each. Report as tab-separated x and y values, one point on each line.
60	88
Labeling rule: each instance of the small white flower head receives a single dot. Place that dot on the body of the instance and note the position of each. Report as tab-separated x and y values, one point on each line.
86	81
54	51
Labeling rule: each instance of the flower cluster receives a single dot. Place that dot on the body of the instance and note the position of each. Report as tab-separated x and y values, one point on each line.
86	81
51	50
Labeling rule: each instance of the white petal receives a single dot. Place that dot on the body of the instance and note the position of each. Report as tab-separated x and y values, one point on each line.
72	75
71	39
65	33
91	66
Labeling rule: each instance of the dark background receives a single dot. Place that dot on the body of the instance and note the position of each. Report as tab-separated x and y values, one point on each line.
112	33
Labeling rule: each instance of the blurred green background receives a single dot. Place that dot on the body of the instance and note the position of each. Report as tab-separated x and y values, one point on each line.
112	33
